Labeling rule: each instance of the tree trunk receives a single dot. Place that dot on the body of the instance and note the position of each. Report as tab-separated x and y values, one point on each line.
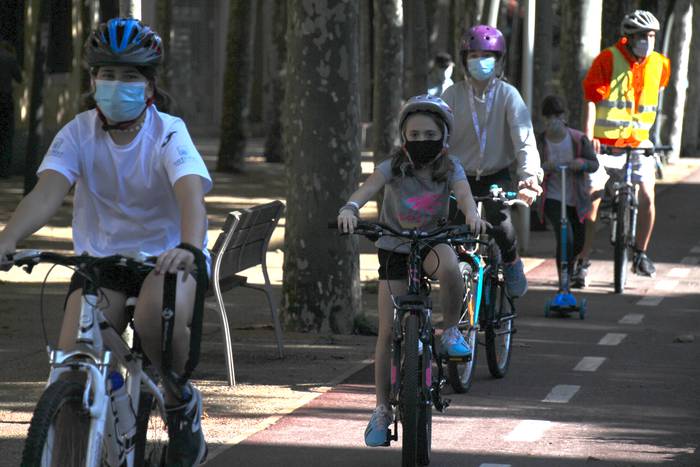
543	74
613	12
465	14
36	102
321	290
690	146
237	84
86	26
675	95
416	48
108	9
580	26
388	63
274	149
164	25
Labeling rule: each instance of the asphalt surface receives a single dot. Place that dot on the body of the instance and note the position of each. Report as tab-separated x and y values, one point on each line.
618	388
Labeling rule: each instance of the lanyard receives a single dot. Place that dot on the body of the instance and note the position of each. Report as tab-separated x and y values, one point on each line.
481	132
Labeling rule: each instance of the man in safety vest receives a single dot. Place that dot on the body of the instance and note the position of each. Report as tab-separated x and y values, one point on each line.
622	93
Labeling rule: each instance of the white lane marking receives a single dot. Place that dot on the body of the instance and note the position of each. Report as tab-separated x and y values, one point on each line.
589	364
528	430
612	338
650	300
494	465
690	260
679	272
665	285
695	249
632	318
561	393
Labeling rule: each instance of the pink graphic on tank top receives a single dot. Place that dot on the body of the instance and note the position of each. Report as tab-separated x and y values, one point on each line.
421	208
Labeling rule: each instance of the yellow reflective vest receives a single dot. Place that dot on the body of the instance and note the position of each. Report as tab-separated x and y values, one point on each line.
618	116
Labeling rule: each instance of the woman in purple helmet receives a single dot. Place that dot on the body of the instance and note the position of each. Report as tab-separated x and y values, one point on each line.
493	132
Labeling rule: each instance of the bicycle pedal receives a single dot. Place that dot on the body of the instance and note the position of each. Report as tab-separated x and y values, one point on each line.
465	359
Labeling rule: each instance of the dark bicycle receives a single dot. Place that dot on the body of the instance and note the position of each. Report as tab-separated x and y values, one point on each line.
486	305
620	206
414	387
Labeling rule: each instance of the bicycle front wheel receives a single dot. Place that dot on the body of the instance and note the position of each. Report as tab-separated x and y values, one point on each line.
499	332
151	438
60	428
409	393
461	373
622	241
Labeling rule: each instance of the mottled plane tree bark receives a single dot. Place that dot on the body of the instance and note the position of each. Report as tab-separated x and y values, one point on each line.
274	149
416	59
690	146
236	87
321	289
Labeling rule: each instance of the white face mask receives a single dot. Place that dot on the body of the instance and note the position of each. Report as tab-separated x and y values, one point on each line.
642	48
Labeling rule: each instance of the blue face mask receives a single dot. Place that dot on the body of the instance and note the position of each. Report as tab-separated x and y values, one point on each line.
481	68
120	101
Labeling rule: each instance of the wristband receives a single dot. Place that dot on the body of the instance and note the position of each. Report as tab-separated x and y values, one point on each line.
353	206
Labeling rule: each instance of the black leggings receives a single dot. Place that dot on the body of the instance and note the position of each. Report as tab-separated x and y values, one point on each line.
498	215
576	231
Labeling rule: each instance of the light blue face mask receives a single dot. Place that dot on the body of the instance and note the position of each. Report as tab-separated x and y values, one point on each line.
481	68
120	101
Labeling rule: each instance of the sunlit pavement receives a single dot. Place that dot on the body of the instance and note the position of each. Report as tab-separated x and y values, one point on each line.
618	388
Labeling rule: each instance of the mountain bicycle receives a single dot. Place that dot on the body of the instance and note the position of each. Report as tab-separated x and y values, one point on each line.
484	286
414	387
620	206
79	419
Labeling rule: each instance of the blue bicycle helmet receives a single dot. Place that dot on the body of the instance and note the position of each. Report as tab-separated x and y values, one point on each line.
123	41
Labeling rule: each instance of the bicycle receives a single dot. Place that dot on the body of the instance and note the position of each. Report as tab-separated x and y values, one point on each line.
620	198
79	419
414	388
484	285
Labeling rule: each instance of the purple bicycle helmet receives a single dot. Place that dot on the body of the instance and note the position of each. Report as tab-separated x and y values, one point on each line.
483	38
429	104
123	41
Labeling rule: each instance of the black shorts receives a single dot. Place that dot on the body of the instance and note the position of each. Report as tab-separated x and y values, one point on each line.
394	266
113	278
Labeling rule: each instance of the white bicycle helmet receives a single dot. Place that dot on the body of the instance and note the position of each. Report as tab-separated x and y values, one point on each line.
639	21
430	104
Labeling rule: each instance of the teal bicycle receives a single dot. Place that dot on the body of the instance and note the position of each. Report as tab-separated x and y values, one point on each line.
486	305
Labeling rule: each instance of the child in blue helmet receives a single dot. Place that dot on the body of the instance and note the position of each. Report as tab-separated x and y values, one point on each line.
417	182
139	187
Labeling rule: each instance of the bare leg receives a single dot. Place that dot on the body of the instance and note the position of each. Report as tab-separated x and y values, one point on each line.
646	214
442	263
147	320
111	304
382	352
591	223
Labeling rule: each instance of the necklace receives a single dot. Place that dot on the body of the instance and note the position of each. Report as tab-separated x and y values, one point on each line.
131	129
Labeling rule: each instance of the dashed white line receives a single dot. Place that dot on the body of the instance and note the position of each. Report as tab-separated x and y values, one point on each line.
666	285
690	260
494	465
679	272
528	430
632	318
561	393
650	300
695	249
589	364
612	338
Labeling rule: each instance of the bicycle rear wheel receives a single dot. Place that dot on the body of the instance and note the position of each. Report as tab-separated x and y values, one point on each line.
622	241
461	374
409	394
499	331
151	439
60	428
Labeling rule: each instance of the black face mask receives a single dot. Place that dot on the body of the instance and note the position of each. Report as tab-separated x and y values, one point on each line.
423	152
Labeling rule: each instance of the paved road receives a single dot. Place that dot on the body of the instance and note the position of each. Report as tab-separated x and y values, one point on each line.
614	389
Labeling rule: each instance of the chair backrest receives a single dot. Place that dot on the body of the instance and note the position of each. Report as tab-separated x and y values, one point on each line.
252	229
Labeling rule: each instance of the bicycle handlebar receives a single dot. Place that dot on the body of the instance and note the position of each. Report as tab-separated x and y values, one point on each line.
374	230
623	150
30	258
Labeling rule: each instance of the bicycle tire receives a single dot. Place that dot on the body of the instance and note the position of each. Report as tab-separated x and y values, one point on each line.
499	332
66	444
622	242
151	440
461	374
409	393
425	432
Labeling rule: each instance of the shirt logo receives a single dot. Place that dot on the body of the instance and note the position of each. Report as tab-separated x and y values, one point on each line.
167	138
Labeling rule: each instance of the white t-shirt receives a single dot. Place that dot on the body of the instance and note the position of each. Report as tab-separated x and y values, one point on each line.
561	153
124	200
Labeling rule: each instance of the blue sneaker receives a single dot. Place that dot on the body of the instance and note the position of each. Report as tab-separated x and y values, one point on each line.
454	344
377	432
516	283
